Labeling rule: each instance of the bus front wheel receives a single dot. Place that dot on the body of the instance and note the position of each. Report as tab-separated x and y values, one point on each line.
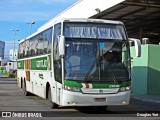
51	104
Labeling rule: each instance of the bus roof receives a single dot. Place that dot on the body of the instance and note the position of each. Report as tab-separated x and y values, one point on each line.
72	20
78	20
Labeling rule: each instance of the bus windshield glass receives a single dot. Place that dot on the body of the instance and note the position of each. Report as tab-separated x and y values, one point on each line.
96	52
96	60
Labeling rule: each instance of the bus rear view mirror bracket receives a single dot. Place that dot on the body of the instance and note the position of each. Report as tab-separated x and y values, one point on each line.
137	46
61	46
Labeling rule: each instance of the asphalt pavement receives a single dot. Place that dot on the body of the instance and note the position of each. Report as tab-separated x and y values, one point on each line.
12	99
142	97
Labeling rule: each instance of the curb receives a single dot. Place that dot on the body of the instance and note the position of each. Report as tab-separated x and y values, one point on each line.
147	100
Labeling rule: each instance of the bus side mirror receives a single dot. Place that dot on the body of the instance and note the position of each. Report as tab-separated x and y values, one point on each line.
137	44
61	46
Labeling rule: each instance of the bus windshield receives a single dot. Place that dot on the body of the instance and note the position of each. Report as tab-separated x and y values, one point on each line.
96	60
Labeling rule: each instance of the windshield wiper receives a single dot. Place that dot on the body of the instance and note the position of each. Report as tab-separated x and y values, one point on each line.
113	75
89	71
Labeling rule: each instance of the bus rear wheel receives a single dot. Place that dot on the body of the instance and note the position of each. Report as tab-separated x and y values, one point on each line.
26	93
51	104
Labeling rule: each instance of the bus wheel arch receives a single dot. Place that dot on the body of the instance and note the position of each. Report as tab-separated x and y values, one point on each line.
49	96
26	93
47	88
21	83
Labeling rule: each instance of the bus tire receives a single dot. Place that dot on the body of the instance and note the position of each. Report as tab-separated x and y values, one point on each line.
21	83
26	93
49	97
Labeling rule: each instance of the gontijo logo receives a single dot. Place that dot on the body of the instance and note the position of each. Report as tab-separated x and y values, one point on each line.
41	63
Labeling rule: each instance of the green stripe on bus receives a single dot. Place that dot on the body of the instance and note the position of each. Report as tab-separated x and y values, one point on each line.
97	85
20	64
72	83
41	63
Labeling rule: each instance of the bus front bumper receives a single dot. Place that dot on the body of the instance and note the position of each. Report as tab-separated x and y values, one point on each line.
79	99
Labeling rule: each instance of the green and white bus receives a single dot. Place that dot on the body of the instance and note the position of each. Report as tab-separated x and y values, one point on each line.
78	62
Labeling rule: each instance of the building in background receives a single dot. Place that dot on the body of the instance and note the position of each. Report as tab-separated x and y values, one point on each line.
11	66
0	61
2	47
13	55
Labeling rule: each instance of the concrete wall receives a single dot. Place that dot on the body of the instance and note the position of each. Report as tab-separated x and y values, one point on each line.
154	69
146	71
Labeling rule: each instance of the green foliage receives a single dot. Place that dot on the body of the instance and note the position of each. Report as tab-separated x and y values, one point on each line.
6	74
11	75
15	75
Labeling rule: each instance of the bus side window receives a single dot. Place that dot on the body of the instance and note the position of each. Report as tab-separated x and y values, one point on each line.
20	51
38	45
47	41
32	52
50	41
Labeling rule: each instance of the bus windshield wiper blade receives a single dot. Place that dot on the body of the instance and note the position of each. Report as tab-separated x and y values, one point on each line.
113	75
89	71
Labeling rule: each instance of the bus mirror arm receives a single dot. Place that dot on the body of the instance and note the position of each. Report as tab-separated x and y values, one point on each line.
61	46
137	44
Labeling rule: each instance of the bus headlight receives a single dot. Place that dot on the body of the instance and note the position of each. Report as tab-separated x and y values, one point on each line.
122	89
71	88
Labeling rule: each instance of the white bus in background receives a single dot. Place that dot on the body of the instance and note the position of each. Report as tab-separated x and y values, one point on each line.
78	62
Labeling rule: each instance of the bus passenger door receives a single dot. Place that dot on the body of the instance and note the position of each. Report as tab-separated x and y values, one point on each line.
57	62
58	78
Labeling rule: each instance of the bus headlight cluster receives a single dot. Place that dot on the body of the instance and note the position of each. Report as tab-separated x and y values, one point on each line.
71	88
122	89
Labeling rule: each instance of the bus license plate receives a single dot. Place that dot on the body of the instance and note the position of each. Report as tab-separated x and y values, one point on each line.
99	99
